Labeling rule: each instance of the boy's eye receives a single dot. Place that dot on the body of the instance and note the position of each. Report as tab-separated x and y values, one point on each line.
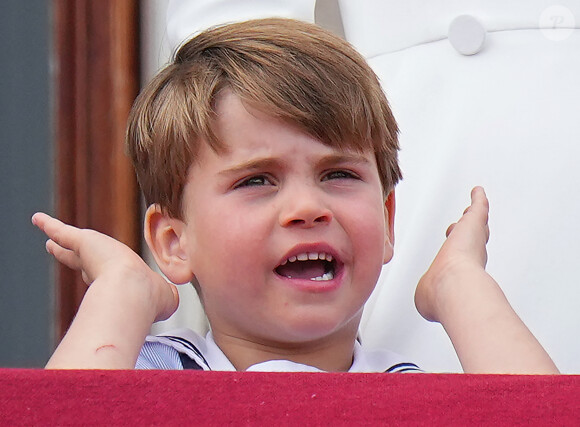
254	181
339	174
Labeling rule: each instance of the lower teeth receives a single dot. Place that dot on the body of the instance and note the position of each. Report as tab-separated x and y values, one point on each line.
325	276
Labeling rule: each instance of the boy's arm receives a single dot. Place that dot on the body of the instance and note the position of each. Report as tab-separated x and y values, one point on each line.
123	299
457	292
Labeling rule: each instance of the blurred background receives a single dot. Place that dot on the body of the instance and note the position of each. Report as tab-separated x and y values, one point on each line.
69	73
26	167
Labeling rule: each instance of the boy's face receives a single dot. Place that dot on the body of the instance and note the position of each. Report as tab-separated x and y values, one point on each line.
275	197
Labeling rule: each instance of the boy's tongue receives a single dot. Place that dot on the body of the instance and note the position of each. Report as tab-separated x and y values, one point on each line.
302	269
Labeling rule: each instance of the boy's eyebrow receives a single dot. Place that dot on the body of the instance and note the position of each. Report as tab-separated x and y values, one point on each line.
333	159
268	162
253	164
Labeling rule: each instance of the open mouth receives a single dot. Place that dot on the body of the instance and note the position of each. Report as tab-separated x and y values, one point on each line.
317	266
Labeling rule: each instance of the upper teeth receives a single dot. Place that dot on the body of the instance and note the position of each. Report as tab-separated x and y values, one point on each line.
312	256
309	256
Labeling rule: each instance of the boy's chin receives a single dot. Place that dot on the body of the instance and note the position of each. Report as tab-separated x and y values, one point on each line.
305	331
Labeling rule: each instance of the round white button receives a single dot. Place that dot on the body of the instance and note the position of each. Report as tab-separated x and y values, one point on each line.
466	34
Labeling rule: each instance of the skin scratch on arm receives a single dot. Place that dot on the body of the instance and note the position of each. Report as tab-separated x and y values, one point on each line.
106	346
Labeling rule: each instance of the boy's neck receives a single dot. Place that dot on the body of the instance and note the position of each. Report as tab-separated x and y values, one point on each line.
331	354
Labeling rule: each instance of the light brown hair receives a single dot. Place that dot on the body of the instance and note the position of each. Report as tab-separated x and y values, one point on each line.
289	69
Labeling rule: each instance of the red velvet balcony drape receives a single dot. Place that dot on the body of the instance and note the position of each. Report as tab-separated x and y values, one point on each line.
35	397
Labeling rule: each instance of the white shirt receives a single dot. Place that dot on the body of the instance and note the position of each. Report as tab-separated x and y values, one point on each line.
167	351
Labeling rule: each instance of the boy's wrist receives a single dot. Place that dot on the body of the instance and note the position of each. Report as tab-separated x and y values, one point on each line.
442	292
130	289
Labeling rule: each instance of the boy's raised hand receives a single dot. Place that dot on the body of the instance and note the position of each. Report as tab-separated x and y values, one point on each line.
457	292
95	254
463	252
86	251
124	298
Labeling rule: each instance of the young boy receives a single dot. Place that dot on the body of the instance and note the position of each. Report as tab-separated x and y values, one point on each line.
267	153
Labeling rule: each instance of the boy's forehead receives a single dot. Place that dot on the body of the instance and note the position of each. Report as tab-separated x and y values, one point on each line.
237	118
229	105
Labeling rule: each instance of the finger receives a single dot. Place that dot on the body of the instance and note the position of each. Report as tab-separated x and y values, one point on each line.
64	256
486	233
39	219
480	204
86	278
450	229
479	208
478	193
64	235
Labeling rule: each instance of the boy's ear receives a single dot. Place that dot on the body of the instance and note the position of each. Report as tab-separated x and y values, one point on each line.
166	240
390	222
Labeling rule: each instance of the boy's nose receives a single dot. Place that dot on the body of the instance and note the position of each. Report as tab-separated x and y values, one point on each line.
304	209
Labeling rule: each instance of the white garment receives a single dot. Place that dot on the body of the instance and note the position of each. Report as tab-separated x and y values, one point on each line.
186	17
505	118
162	352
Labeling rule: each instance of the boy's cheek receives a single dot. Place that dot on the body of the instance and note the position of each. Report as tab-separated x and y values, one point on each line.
371	240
